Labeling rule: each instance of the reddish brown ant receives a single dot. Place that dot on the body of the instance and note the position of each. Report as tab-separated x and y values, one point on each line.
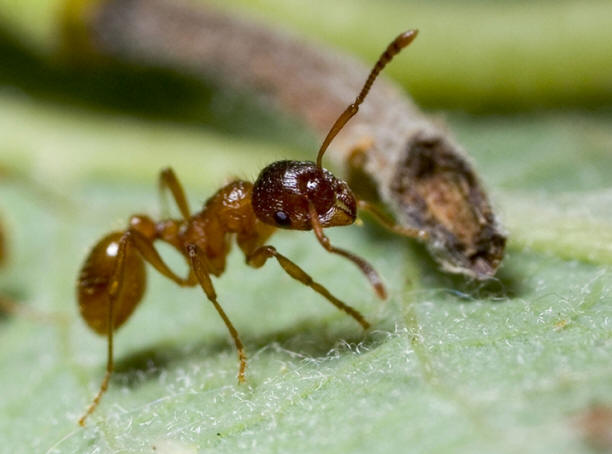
296	195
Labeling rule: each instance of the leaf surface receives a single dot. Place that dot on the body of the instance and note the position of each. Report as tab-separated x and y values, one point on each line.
449	366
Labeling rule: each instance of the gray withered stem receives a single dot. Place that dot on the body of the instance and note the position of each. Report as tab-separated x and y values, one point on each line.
400	156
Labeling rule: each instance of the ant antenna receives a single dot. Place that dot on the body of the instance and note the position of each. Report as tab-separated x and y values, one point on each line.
392	50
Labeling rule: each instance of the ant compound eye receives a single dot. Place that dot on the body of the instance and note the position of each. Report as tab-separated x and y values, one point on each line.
281	218
312	185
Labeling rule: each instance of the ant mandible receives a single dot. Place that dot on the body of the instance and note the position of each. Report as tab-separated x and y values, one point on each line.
296	195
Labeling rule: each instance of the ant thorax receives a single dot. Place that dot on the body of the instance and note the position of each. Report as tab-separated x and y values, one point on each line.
286	191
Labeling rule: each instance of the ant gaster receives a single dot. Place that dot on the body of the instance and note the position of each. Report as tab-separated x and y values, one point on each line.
296	195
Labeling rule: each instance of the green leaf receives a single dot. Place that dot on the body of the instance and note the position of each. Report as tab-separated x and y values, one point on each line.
449	367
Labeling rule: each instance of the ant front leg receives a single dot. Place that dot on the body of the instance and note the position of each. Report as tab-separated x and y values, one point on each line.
259	257
169	181
364	266
198	264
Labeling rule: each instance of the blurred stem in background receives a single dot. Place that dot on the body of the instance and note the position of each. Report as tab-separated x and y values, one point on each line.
472	55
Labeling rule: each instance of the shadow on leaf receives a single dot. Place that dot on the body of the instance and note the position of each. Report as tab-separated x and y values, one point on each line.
314	339
507	284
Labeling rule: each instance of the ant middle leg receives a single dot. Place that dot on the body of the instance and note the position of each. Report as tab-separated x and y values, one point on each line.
259	257
200	268
169	181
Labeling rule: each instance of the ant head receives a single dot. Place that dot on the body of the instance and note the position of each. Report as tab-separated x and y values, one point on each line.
285	191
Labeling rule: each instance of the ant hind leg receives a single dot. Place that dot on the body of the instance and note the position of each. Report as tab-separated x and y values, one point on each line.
259	257
198	264
114	290
120	274
149	253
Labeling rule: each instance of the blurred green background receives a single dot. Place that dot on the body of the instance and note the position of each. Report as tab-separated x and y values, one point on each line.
452	366
471	55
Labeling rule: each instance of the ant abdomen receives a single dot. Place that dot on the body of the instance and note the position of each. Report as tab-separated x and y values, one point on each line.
93	287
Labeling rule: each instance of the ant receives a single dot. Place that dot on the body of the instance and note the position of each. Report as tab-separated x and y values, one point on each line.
296	195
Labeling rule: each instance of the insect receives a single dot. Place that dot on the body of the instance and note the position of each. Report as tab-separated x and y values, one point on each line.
296	195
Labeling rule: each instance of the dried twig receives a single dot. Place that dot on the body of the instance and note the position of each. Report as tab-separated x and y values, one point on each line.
406	160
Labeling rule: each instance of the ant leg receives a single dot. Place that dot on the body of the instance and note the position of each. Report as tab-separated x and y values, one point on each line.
114	289
149	253
169	181
145	248
198	263
388	223
259	257
364	266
